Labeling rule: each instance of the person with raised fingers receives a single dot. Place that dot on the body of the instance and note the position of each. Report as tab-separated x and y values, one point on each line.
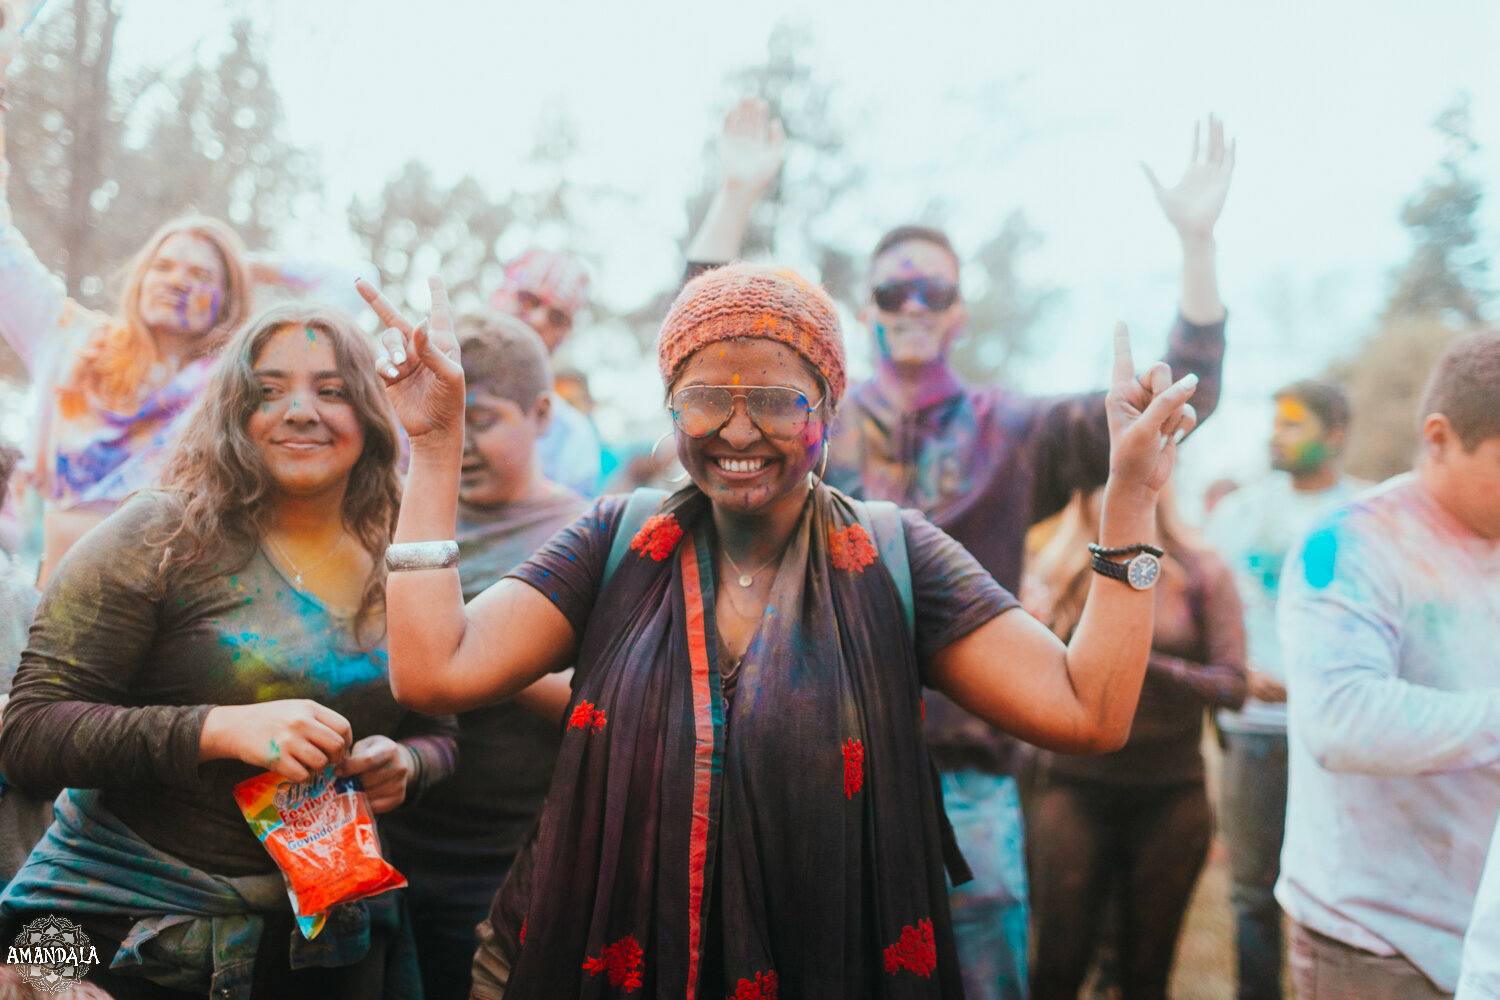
229	623
984	463
744	802
456	845
751	149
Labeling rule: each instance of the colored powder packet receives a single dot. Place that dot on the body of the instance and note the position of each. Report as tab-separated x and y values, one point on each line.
321	835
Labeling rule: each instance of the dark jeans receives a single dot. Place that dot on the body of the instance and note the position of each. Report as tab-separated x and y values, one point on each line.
274	976
1085	840
1253	818
446	942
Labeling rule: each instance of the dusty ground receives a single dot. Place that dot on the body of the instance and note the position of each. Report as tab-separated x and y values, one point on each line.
1205	959
1205	953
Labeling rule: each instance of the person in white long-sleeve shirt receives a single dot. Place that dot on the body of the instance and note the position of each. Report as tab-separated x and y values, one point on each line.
1480	977
1390	622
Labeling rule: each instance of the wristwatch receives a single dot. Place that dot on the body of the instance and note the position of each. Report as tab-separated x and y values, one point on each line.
1140	570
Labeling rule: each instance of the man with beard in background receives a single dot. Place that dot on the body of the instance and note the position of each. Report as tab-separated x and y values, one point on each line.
1254	528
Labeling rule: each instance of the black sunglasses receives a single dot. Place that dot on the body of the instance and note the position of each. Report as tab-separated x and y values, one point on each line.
934	293
779	411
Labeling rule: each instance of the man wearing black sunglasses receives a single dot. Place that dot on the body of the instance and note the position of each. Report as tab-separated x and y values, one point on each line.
985	464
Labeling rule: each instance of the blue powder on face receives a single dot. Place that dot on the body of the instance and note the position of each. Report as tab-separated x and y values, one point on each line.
1319	557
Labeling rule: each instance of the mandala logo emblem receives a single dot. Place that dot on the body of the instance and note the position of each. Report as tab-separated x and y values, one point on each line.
51	954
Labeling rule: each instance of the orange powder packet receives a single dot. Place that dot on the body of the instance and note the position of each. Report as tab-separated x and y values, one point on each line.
322	835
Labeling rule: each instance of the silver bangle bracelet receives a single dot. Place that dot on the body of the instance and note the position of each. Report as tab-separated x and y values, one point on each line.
421	555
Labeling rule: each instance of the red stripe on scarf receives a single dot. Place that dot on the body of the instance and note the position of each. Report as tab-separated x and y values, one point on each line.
703	756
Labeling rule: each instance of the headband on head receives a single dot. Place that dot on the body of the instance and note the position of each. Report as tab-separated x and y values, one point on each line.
559	279
750	300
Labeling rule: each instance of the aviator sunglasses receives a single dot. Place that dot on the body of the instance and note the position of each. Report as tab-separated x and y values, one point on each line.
934	293
779	411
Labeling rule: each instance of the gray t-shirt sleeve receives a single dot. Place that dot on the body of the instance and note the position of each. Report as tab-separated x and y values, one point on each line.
952	595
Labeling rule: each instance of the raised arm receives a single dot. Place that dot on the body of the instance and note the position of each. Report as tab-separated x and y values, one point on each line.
750	157
1081	698
34	304
1193	206
1071	445
446	657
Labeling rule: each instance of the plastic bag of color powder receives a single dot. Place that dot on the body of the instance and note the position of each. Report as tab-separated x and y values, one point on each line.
321	834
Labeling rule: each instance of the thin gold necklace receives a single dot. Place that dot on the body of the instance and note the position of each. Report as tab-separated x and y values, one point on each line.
746	579
297	573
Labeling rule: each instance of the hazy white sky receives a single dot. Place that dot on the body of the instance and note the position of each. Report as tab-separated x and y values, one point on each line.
1330	101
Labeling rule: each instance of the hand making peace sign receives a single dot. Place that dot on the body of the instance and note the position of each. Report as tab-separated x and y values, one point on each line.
419	364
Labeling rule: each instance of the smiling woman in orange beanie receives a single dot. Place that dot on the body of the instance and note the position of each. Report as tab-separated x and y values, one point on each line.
743	803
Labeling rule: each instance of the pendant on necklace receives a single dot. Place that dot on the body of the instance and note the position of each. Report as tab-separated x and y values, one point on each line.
746	581
297	581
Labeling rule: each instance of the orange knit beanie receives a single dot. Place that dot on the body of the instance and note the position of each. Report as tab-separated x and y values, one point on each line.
750	300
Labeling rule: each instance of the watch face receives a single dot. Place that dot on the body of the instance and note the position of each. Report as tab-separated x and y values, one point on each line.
1144	569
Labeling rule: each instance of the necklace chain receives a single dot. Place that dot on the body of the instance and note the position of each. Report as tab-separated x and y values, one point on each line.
297	573
746	579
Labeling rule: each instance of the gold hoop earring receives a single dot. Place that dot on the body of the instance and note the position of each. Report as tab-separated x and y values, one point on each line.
656	464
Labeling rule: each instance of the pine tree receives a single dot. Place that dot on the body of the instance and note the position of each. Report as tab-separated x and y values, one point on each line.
1437	296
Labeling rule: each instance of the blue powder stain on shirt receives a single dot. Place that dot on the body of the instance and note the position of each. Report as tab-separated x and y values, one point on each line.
1319	556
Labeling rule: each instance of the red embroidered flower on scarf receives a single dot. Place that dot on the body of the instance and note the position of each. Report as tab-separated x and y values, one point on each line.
586	716
524	921
621	962
850	548
915	952
854	767
763	987
657	537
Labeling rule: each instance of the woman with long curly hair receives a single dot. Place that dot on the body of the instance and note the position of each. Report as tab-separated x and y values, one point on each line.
1134	825
111	387
228	623
743	803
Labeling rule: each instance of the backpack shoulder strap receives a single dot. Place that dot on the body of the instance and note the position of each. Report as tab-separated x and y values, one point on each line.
640	506
884	525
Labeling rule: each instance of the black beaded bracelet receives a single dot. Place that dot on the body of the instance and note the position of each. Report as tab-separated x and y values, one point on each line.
1124	550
